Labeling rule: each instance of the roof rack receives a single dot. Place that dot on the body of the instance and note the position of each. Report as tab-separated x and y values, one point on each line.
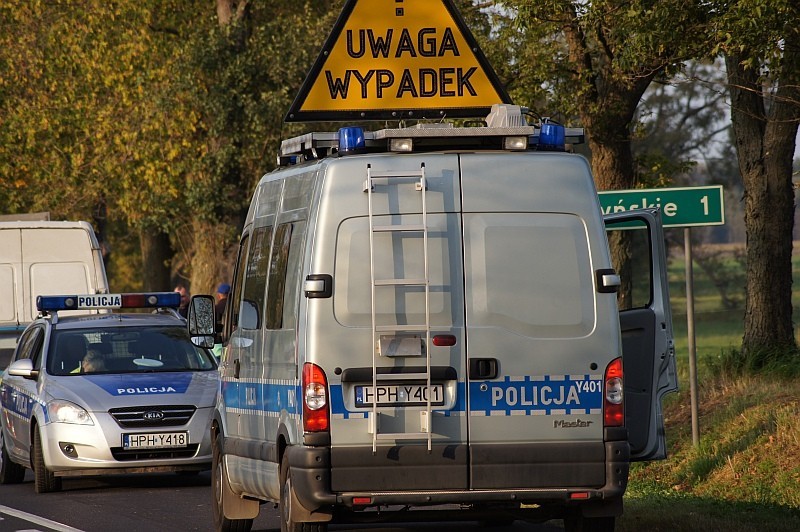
506	129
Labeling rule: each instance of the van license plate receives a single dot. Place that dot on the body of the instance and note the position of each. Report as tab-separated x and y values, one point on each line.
155	440
399	395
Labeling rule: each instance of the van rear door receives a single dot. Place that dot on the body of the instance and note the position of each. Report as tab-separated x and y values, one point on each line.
646	322
539	335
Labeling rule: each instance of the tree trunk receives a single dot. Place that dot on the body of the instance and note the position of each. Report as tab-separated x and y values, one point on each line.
765	146
612	166
156	254
209	266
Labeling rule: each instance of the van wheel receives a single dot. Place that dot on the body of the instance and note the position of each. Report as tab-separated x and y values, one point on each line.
218	478
589	524
10	472
44	479
285	505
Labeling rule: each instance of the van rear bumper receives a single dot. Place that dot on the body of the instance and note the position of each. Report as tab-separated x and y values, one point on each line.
311	478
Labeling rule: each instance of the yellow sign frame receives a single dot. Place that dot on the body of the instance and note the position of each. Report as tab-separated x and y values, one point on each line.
398	60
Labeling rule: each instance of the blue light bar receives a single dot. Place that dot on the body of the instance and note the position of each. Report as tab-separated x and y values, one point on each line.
551	137
57	303
108	301
351	140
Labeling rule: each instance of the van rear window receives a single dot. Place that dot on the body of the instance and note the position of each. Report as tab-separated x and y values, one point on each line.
529	273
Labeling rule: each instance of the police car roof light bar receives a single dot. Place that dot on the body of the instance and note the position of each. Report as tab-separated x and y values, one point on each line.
108	301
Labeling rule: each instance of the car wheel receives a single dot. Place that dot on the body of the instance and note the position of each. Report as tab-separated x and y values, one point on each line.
44	479
589	524
218	478
10	472
285	505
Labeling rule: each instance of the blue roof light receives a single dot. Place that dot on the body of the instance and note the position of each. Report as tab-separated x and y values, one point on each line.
57	302
351	140
551	136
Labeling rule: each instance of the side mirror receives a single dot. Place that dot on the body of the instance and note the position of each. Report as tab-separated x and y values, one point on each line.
23	368
200	321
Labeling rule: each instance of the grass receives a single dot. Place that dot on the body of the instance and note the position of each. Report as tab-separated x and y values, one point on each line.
745	472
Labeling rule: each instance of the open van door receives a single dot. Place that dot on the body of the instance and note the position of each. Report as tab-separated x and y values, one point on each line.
646	324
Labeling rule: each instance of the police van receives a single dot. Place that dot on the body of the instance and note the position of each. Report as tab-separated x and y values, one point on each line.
428	316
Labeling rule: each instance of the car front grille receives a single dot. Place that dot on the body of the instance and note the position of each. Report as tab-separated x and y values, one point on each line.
135	417
127	455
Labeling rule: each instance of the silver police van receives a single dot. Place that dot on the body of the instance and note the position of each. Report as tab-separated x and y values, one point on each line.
424	324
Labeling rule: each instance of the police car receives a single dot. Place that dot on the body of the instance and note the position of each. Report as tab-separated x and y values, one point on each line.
106	393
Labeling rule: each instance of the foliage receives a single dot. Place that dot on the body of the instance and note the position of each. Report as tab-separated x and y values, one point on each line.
578	51
680	124
726	270
748	448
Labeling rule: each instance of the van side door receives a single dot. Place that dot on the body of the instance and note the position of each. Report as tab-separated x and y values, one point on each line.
636	239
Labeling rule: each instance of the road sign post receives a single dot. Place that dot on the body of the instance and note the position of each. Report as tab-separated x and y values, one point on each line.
680	207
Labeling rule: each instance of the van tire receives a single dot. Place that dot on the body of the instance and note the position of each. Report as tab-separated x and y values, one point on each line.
285	504
44	480
589	524
10	472
222	523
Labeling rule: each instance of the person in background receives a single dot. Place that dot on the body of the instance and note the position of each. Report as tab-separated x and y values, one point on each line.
183	310
223	290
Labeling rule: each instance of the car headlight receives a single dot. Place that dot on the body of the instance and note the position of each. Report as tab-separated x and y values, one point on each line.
66	412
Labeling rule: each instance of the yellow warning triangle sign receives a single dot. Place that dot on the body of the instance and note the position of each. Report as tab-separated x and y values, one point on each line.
398	59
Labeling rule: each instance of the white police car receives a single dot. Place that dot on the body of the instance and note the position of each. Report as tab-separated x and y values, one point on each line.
106	393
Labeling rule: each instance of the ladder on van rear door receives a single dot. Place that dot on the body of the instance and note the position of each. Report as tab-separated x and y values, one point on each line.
415	178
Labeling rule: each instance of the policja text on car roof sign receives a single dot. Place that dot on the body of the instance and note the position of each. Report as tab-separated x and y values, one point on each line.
396	59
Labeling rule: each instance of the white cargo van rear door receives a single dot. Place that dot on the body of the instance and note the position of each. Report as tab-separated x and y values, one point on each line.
60	261
646	322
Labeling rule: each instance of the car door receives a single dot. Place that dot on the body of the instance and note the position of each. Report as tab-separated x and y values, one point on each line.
20	394
646	324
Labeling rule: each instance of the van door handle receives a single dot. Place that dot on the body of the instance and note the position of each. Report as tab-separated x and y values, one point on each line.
483	368
236	367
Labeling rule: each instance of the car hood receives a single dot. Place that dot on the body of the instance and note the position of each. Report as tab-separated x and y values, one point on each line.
103	392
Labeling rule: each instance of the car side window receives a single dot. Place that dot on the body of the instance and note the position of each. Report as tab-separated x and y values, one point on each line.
632	261
236	296
30	346
255	281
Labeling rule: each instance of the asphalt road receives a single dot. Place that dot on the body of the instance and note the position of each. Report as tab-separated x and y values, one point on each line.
163	502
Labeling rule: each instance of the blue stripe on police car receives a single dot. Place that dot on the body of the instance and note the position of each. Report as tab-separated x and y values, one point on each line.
148	384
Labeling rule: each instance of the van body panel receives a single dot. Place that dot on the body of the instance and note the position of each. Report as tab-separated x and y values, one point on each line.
259	365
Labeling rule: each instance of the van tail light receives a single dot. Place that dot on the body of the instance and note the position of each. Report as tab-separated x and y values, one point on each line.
316	413
613	404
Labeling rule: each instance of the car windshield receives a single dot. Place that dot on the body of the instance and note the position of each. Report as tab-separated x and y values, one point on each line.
126	350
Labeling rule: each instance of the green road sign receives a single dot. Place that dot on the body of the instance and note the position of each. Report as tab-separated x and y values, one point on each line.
680	207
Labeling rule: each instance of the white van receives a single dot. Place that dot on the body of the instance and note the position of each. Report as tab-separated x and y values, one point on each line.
426	320
43	258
